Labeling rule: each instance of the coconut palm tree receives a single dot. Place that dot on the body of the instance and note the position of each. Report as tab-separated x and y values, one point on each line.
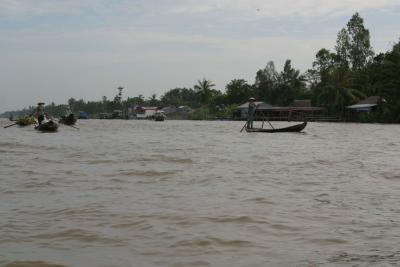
337	92
203	88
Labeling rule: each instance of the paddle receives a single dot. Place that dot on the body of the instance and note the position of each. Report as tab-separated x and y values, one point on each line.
72	126
270	124
68	125
10	125
243	127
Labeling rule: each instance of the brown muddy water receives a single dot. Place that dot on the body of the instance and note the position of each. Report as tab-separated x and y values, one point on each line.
186	193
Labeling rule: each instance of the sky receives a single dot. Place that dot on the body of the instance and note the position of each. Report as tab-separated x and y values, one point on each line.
51	50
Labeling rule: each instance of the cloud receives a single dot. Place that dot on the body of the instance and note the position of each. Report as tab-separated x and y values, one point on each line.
246	8
273	8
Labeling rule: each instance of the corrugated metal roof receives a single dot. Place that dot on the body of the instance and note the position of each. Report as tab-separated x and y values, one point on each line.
361	106
266	106
246	105
294	109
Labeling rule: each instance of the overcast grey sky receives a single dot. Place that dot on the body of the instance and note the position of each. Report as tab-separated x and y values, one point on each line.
51	50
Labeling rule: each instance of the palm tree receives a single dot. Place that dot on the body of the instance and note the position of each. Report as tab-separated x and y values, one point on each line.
153	101
337	92
203	88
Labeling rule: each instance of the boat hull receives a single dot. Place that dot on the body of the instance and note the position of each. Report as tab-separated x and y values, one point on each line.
290	129
49	126
159	118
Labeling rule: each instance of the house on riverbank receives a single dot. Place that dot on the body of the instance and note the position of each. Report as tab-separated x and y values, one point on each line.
299	110
366	106
241	111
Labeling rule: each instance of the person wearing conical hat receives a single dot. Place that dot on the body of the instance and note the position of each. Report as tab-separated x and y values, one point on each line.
39	112
251	112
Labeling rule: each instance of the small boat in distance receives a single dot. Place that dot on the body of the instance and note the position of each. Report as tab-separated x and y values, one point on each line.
159	116
68	120
293	128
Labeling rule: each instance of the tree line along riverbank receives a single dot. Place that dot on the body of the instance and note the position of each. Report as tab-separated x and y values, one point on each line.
337	79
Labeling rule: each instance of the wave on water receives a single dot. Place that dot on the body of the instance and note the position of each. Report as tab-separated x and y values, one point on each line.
79	235
391	175
392	259
152	159
21	145
239	219
148	174
261	200
211	241
90	210
38	184
33	264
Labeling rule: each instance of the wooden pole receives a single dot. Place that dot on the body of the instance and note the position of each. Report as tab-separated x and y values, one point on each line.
243	127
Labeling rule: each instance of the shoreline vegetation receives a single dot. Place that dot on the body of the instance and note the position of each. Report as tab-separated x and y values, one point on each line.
337	79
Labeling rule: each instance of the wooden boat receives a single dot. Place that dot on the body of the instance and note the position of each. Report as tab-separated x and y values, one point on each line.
159	117
68	120
24	121
48	126
293	128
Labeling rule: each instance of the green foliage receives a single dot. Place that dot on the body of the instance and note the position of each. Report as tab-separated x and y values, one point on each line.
153	101
337	92
266	79
180	97
201	114
203	89
226	112
353	46
279	88
238	90
384	75
345	77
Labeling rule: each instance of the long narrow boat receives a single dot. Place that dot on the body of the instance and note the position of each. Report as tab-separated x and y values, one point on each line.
48	126
68	120
24	121
293	128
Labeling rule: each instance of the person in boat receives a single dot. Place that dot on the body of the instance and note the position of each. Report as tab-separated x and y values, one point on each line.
39	112
68	111
251	112
68	114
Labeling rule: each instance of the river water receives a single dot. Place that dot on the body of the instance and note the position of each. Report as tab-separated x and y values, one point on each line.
187	193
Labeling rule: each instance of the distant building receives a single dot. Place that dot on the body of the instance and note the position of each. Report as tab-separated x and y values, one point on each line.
241	111
146	112
83	115
368	105
298	110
